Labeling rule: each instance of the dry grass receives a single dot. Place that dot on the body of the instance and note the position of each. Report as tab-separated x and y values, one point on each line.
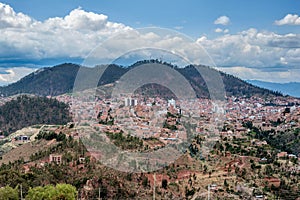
24	151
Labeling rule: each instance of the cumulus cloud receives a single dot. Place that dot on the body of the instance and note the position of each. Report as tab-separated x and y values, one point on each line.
219	30
9	75
246	73
286	41
149	38
222	20
10	19
74	35
289	19
264	55
253	49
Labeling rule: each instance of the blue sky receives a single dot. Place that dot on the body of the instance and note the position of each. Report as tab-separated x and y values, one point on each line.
194	16
251	39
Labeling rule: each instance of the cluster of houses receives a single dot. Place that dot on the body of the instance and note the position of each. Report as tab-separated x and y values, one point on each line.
144	117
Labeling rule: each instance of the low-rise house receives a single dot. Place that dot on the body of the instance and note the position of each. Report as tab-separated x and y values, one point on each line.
23	138
272	181
282	155
56	158
259	197
292	156
81	160
213	187
263	161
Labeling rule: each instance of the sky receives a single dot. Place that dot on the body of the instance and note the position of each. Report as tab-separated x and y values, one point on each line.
258	40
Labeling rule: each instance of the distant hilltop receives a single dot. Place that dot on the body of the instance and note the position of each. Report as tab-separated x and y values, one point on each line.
291	88
57	80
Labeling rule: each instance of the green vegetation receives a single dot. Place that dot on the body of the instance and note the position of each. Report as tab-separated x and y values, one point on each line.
49	192
26	111
48	81
8	193
171	127
125	142
88	176
164	183
109	120
60	80
50	135
242	152
282	140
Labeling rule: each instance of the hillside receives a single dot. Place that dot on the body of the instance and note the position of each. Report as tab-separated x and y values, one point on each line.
47	81
60	79
233	169
233	85
25	111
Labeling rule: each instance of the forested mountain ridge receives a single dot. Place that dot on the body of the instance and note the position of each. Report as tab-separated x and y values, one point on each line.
60	79
47	81
26	111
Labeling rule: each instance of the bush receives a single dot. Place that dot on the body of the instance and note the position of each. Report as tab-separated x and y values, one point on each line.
49	192
8	193
164	183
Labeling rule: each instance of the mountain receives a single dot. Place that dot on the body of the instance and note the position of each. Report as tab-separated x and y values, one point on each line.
26	111
292	88
47	81
60	79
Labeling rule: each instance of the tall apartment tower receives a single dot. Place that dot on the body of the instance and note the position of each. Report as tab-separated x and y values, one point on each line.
130	102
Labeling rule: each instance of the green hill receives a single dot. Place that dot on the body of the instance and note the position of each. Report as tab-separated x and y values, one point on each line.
60	79
26	111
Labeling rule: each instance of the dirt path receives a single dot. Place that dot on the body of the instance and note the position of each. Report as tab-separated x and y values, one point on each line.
32	138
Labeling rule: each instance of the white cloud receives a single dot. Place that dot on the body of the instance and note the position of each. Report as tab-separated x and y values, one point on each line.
257	74
223	20
254	49
74	35
266	55
283	61
219	30
13	74
161	39
10	19
289	19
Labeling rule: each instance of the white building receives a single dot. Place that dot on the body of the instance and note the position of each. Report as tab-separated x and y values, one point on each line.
171	102
130	102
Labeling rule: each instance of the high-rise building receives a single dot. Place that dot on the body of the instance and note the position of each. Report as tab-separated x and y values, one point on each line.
130	102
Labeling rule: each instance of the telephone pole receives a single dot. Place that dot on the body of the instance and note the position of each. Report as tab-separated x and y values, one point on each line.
99	193
21	192
154	181
208	195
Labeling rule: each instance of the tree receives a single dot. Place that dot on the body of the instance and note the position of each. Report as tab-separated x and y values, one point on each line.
68	192
268	170
237	170
49	192
244	172
145	181
8	193
225	183
164	183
